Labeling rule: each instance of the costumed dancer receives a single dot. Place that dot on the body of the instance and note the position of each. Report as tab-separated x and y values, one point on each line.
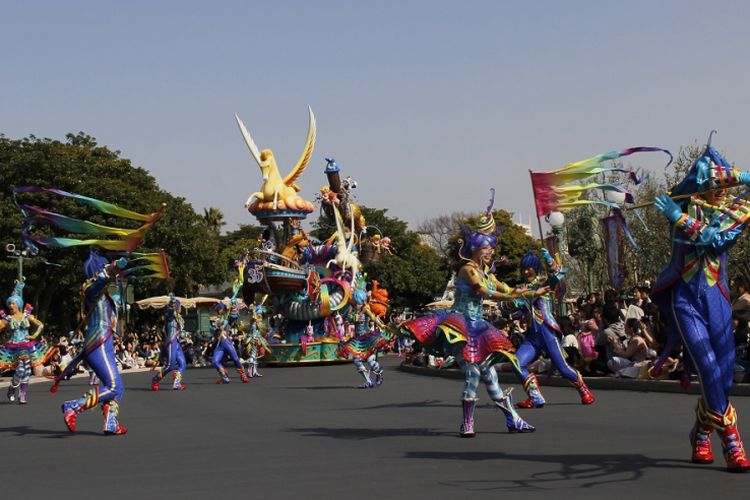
256	346
363	345
693	296
22	352
172	357
98	351
462	332
543	333
99	310
221	329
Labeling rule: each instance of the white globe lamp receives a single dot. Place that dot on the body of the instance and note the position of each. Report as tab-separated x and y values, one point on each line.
556	220
615	197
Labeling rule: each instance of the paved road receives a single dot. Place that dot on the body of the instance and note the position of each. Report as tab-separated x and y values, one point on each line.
308	432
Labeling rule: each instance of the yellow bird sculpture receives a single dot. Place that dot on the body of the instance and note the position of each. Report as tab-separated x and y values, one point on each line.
278	193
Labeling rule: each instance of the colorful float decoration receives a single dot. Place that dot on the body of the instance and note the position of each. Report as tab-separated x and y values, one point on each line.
306	281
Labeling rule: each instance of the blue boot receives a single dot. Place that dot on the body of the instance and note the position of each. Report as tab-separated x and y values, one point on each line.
514	422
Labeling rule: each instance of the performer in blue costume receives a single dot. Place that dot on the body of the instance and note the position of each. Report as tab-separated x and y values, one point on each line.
463	333
22	352
543	333
98	348
693	296
221	328
173	359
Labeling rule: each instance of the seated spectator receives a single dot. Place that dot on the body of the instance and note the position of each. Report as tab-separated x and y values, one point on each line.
607	338
742	293
631	354
740	319
586	345
569	342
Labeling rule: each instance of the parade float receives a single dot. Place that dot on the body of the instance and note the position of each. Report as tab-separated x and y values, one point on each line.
312	284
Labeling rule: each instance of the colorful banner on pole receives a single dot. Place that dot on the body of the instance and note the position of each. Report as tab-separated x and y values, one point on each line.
556	191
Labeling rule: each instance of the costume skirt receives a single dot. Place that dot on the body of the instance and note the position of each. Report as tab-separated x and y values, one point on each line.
481	338
32	350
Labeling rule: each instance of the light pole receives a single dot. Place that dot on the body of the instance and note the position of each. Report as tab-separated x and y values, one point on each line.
556	220
14	253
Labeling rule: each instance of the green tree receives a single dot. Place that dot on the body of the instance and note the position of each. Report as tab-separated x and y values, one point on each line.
81	166
214	219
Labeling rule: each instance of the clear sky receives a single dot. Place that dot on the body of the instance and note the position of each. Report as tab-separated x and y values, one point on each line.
425	103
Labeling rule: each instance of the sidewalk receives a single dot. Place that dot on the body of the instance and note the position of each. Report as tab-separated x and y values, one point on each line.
5	381
607	383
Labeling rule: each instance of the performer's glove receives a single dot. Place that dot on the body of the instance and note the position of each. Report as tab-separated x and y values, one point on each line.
668	207
745	178
121	263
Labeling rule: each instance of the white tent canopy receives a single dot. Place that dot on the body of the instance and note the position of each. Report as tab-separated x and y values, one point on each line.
161	301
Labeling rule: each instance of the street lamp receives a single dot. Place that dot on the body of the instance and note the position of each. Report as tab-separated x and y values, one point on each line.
19	255
555	220
617	197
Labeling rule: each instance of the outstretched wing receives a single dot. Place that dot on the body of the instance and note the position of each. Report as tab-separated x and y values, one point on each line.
248	140
306	154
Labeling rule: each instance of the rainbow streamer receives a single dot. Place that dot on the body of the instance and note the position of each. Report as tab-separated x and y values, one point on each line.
157	263
552	193
33	215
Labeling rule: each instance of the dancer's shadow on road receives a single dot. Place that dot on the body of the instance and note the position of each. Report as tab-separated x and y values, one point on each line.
428	403
321	388
360	434
569	471
24	430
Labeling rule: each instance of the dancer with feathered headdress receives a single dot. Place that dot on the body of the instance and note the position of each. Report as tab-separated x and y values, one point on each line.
23	351
462	332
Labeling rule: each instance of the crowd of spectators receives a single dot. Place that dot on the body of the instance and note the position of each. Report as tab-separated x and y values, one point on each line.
617	335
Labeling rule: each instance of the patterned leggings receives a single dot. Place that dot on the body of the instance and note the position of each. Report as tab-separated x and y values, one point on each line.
22	373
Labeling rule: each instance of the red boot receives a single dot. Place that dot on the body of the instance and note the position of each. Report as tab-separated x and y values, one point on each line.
531	386
155	383
700	436
112	427
734	452
586	397
72	408
243	375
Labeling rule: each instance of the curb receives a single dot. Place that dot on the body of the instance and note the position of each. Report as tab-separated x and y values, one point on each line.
5	382
607	383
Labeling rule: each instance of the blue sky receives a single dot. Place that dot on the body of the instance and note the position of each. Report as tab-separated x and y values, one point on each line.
425	103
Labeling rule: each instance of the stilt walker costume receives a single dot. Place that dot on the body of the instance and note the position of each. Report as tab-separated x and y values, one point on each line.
692	294
22	352
462	332
221	330
172	357
543	333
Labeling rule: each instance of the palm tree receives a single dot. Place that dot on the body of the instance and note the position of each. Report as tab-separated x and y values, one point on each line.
214	219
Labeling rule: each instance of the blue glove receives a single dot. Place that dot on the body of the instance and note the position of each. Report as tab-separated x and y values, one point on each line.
745	178
668	207
121	263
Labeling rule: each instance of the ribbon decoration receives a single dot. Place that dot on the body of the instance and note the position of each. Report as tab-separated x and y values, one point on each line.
552	191
33	215
155	262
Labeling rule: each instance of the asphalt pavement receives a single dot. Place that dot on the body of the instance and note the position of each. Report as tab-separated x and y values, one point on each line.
308	432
